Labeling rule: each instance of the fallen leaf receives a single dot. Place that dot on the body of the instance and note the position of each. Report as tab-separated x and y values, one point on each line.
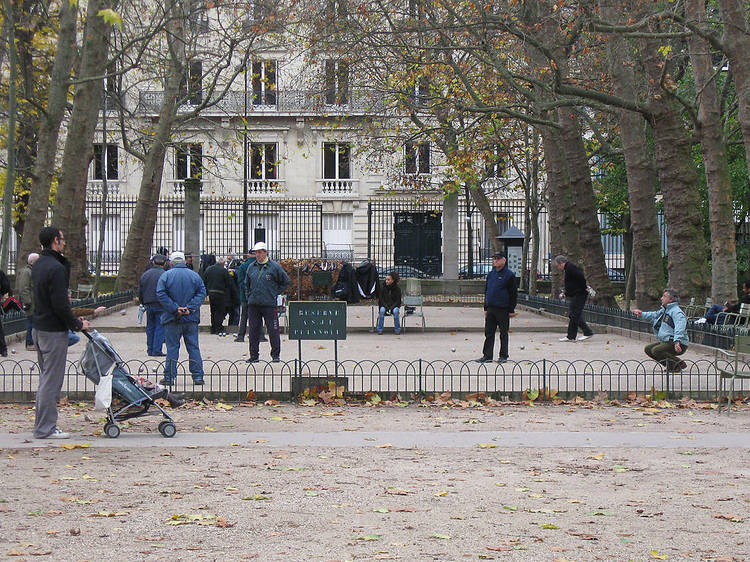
69	446
655	554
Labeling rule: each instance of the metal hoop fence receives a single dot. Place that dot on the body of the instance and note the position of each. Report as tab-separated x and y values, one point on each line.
232	381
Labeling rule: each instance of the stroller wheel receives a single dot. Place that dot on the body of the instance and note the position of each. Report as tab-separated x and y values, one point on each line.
112	430
167	429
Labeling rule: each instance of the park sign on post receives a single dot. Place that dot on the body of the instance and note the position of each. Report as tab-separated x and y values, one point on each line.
317	320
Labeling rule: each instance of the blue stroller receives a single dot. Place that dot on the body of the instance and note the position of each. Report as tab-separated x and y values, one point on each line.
99	359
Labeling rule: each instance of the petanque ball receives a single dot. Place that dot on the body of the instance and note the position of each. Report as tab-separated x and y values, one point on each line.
523	347
453	349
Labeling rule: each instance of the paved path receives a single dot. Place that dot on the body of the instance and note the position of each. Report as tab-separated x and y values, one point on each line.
405	440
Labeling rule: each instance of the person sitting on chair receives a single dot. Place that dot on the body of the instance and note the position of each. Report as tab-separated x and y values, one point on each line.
670	327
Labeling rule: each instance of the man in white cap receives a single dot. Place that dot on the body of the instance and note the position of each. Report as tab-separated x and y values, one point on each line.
181	292
264	282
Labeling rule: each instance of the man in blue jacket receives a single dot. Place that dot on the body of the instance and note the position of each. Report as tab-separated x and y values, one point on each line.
181	292
670	327
500	295
147	297
265	280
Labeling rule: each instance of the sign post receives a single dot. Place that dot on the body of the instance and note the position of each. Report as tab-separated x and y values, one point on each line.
317	320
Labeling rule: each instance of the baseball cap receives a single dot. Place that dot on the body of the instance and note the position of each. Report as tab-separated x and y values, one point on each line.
499	255
177	256
260	246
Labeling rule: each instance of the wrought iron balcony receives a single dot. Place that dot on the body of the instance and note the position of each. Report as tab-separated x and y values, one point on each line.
286	101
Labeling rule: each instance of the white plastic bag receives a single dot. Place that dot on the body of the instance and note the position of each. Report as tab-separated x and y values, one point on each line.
103	397
591	291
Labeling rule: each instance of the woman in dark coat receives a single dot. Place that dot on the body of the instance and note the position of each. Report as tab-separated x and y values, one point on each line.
389	302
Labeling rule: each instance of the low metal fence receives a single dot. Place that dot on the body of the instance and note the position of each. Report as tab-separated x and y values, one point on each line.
15	322
721	337
233	381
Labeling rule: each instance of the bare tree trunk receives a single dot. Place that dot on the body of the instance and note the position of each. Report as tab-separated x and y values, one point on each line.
713	148
483	205
78	152
138	245
688	267
49	130
585	216
10	177
649	273
736	40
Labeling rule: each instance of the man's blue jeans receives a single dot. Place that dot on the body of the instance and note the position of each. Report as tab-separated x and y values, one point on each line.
154	329
396	320
189	332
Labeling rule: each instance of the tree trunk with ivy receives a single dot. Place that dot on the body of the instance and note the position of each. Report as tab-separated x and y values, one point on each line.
71	195
49	132
713	147
687	249
639	166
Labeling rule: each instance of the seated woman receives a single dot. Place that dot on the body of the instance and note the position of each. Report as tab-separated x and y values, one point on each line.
389	302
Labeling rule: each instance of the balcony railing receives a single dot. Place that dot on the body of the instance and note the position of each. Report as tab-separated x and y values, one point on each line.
177	187
96	187
266	188
413	182
337	187
287	101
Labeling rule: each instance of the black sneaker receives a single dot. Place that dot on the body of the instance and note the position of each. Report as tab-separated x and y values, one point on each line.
166	382
502	360
239	339
484	360
252	360
275	360
198	382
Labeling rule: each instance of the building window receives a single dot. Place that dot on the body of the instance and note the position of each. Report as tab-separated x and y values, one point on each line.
419	92
496	164
188	161
336	82
417	157
191	89
337	236
337	161
263	161
105	162
264	82
336	10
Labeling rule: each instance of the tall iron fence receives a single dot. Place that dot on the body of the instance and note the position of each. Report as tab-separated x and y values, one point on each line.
403	231
290	228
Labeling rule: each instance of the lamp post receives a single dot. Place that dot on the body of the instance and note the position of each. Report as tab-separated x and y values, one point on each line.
245	226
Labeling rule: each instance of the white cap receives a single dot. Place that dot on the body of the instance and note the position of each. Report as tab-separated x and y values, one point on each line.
260	246
177	257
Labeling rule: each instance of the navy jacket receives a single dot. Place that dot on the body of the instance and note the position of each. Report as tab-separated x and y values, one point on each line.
179	287
50	277
147	285
501	290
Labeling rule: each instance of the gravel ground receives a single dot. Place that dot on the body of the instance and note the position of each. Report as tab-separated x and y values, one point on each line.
380	502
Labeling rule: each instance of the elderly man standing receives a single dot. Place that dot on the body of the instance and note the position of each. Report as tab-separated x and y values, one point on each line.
181	292
147	297
500	298
576	290
670	327
26	292
264	282
53	317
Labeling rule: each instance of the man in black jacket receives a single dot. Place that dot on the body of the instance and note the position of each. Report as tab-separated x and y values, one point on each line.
53	317
576	290
218	284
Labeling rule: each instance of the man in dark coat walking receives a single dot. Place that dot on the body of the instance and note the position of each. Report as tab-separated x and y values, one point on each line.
576	290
